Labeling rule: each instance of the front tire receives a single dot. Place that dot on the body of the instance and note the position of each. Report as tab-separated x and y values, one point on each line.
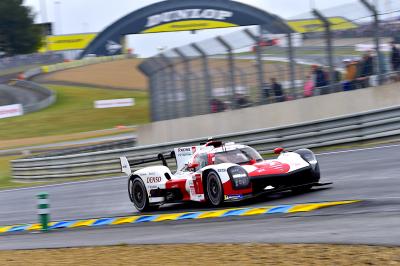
138	194
214	189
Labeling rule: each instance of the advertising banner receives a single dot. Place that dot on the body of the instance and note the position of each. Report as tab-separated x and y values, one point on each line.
114	103
11	110
315	25
56	43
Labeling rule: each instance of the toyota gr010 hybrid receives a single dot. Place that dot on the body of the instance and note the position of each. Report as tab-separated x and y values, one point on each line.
216	173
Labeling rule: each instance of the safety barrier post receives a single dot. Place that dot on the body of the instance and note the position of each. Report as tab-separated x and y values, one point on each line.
329	47
43	210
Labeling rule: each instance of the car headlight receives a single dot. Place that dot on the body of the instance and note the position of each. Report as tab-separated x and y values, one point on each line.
239	177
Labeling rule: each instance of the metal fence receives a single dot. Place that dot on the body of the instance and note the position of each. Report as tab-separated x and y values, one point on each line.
18	61
251	67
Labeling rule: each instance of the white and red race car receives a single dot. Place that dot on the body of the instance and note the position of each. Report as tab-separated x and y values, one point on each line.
217	172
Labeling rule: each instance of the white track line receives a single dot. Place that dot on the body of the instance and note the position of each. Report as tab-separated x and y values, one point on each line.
356	150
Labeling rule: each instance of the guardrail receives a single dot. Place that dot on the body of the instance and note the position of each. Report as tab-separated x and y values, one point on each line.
333	131
50	96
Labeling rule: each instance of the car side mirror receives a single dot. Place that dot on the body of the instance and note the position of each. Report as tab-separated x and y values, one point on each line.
279	150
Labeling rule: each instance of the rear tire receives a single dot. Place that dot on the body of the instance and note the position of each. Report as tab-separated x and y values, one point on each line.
138	194
214	190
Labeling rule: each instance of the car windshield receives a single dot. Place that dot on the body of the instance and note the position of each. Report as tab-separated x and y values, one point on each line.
238	156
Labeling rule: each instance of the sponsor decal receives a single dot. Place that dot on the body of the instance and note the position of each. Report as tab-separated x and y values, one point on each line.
114	103
184	149
233	197
189	19
153	179
187	14
221	170
11	110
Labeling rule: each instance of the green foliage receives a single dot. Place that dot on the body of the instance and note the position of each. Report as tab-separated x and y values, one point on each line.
18	33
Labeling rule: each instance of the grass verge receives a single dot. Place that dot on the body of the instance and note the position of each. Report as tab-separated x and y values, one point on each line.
26	142
208	254
74	112
5	171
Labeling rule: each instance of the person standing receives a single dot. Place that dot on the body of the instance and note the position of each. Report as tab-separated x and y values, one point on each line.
367	70
320	79
395	57
350	75
277	89
309	87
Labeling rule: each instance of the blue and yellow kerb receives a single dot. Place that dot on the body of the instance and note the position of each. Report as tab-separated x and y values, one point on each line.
282	209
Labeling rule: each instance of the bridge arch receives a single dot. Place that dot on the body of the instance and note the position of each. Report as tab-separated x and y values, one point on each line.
182	15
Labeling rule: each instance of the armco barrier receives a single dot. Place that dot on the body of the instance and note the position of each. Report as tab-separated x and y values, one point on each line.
333	131
49	95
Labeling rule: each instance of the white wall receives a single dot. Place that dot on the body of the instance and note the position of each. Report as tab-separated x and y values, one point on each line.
269	116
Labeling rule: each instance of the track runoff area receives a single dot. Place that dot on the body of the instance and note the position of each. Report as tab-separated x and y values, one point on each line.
355	177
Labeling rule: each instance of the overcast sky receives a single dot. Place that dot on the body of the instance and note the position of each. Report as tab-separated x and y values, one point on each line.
77	16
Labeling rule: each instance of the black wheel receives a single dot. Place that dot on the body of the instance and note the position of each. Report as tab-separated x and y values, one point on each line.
215	191
316	173
138	194
315	176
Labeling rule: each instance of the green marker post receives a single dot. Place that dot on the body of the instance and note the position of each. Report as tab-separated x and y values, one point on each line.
43	210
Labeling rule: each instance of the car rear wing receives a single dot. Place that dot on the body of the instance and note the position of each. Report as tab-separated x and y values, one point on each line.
126	165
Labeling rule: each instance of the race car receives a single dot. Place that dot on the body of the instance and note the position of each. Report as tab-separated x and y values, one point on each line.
218	172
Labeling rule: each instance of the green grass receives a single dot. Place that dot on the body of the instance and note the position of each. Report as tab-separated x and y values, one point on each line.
74	112
5	171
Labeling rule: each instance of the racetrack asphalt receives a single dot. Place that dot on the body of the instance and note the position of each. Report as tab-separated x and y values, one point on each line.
371	175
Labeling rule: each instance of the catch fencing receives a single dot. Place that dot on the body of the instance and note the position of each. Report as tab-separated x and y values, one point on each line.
352	128
235	70
21	61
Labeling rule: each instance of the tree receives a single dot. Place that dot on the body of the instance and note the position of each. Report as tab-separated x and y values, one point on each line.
18	33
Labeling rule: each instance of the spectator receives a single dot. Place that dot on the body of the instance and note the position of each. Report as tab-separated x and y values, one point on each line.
367	70
265	89
395	58
217	106
358	80
241	100
320	78
309	87
277	89
350	75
